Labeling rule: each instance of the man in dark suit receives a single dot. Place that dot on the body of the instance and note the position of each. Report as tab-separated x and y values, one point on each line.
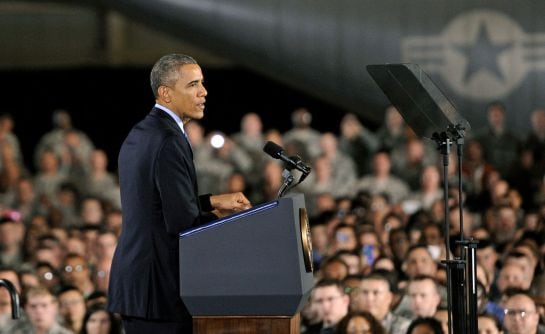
159	197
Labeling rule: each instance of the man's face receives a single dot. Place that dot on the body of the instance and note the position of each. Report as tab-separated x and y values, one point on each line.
527	269
106	244
423	297
511	276
374	297
41	311
187	97
381	164
487	257
72	306
495	117
76	270
331	304
521	316
420	262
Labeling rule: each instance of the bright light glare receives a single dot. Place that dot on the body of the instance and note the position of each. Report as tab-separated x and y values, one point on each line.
217	141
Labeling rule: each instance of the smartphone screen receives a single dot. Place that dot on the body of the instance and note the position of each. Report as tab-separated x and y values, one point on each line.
369	254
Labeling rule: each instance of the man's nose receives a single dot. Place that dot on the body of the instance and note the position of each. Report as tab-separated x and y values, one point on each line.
203	92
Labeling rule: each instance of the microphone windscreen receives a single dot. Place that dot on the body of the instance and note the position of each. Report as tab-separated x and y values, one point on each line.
272	149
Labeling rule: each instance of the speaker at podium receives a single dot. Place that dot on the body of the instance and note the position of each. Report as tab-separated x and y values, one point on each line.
256	263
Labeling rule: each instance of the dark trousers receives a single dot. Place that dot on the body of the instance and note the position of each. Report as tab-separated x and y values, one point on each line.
133	325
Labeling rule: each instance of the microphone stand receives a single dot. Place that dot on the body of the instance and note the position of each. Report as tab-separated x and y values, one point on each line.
461	271
288	180
14	297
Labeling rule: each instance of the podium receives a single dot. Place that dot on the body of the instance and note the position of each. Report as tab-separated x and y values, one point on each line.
250	272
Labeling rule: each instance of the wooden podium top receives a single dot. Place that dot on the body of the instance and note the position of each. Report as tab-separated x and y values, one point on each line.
247	325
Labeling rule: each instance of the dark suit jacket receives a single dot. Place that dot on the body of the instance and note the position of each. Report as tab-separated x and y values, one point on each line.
159	198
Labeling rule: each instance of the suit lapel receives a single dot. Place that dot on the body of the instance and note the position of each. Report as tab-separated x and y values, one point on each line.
186	145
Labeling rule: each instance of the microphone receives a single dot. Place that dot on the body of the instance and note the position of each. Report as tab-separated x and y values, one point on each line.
277	152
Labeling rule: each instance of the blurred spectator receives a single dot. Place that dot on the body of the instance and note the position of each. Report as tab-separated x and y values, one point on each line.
432	237
425	325
503	225
99	321
475	168
89	235
67	203
271	182
345	238
399	244
41	308
370	246
358	142
302	139
511	276
92	211
409	160
49	177
114	221
488	257
97	297
29	279
424	296
499	143
319	238
381	181
535	141
11	239
525	175
202	153
360	323
75	245
393	133
488	324
343	169
71	308
99	182
232	155
334	268
331	304
8	137
521	315
526	264
420	262
375	296
106	243
25	200
352	260
251	140
48	276
429	192
78	274
56	139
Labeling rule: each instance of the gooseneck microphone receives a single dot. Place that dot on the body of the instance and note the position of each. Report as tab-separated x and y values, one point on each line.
277	152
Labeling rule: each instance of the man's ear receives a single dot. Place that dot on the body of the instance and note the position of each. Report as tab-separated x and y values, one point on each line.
163	93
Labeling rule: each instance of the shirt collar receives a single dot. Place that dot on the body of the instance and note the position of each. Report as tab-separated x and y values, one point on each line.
176	118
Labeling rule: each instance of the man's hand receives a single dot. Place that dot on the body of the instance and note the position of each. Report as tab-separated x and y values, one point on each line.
226	204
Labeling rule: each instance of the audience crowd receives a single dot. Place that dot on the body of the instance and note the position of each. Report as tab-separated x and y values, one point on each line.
377	221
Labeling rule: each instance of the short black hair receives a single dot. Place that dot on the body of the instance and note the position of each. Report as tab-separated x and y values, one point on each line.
432	323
